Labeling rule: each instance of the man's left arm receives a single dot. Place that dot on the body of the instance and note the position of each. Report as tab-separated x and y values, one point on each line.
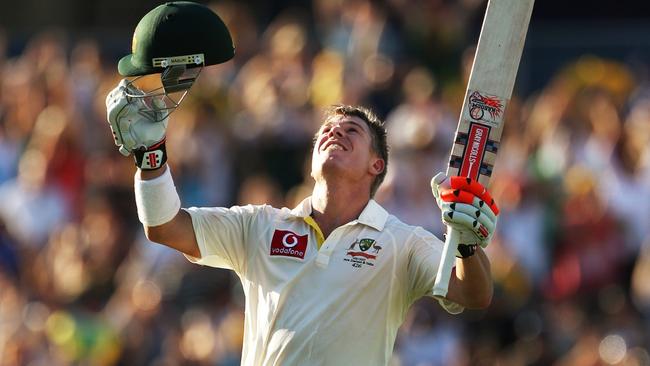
471	282
468	207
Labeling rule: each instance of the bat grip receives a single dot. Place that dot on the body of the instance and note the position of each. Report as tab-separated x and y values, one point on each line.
447	262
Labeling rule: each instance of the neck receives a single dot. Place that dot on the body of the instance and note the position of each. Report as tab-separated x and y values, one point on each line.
333	206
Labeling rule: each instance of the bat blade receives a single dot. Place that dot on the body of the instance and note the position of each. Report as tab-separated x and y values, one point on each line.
488	92
489	88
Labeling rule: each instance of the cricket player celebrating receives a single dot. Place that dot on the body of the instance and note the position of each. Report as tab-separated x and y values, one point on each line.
330	281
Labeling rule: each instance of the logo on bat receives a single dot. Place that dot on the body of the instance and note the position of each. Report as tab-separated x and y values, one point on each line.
474	150
479	104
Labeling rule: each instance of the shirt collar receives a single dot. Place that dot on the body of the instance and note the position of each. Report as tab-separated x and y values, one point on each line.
303	209
373	214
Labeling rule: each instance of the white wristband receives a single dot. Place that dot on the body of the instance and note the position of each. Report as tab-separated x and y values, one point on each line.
156	199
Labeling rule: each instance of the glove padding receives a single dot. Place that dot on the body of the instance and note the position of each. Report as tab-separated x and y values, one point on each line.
134	124
467	207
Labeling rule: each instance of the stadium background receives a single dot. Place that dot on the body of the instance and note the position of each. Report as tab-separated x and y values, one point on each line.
79	284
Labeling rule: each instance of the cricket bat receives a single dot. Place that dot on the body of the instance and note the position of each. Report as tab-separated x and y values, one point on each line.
481	120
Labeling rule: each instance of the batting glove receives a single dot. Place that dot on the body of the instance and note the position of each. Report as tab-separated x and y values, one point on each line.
135	126
468	208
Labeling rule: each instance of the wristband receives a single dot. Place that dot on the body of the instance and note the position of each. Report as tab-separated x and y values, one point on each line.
466	251
156	199
152	158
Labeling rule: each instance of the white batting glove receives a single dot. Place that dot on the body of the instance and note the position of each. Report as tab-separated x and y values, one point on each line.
468	208
134	126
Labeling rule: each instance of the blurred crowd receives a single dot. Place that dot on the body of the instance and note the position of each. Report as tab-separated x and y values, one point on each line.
81	285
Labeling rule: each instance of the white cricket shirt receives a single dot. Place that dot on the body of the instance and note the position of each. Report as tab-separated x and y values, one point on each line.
340	305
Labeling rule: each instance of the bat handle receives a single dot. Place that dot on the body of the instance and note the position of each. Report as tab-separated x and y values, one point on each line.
447	262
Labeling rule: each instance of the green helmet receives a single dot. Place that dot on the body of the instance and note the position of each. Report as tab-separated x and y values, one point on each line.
177	33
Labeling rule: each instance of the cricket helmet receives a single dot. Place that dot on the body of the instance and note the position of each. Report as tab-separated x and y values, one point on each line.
177	33
176	39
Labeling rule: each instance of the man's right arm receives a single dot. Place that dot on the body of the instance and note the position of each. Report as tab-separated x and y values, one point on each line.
178	233
137	134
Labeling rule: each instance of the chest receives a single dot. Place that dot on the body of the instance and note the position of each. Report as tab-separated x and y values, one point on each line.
351	257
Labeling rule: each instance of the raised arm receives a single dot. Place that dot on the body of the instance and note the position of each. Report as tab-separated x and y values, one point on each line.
141	131
468	207
471	281
177	233
176	40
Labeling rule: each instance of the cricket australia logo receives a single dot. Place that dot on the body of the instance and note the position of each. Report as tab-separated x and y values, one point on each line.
362	252
480	104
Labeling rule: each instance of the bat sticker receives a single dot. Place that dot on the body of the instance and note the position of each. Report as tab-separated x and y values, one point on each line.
485	108
474	150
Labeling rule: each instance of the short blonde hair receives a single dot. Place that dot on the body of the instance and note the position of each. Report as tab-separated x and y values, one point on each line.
377	129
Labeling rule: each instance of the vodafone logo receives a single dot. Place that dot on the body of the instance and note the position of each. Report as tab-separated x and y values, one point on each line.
288	244
290	240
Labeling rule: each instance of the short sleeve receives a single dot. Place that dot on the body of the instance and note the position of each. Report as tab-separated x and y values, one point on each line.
222	233
424	259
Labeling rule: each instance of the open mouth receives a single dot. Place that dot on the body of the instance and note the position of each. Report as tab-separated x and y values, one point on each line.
334	145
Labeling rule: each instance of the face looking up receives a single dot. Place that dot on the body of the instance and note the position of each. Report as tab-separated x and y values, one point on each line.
343	150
